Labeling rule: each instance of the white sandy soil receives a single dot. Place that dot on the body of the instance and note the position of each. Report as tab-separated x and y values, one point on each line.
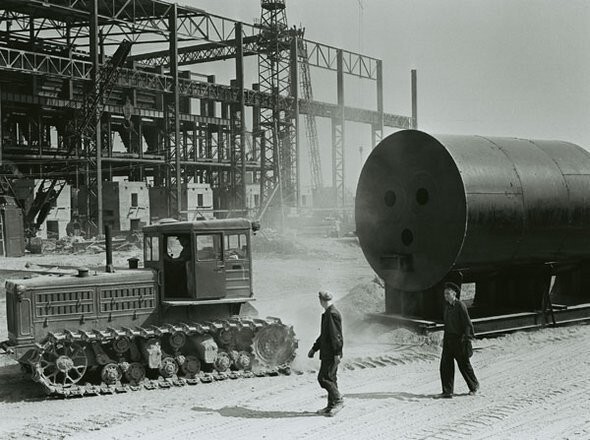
534	385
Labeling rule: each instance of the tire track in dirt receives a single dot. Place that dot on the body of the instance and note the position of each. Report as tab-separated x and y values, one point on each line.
539	393
375	406
286	390
478	416
84	423
272	388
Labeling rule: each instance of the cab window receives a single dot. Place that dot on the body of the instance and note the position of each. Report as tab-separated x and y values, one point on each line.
209	247
151	248
236	247
178	247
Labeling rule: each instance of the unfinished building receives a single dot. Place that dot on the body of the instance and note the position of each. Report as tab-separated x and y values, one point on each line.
96	91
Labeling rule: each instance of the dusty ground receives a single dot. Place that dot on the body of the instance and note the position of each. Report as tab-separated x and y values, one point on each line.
534	385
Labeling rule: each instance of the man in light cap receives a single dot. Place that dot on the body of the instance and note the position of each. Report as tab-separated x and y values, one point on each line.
329	344
456	343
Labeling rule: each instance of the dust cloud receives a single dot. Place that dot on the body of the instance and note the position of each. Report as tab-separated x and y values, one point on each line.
288	276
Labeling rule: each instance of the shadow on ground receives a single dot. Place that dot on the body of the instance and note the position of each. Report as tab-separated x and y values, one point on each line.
248	413
401	395
17	387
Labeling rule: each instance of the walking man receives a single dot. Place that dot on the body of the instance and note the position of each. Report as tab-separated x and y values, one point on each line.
329	344
456	343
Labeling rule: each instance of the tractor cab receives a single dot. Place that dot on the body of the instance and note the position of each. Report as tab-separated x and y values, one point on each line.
201	262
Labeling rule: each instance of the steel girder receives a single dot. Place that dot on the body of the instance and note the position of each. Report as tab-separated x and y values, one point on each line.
47	64
203	53
131	17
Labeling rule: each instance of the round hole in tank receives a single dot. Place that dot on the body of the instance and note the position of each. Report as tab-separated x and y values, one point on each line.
390	198
407	237
422	196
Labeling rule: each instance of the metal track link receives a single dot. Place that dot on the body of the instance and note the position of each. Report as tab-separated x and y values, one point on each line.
68	363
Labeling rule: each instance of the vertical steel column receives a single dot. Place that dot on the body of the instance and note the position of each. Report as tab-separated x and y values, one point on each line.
294	92
259	136
414	99
101	56
210	102
31	29
377	130
338	137
29	137
225	114
1	133
240	176
173	110
69	83
107	141
256	131
211	111
135	140
185	145
108	137
94	57
39	132
335	137
140	138
197	148
262	164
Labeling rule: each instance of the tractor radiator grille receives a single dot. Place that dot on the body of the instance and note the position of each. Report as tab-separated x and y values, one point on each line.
125	300
64	303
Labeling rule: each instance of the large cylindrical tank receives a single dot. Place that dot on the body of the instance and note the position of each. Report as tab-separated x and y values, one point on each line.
427	205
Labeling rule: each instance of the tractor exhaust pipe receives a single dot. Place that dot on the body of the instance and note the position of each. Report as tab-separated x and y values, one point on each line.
108	237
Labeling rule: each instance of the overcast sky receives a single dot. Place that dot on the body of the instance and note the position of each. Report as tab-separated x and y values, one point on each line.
496	67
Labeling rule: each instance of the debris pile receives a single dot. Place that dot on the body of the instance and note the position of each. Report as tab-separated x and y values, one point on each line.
370	298
270	241
78	244
362	299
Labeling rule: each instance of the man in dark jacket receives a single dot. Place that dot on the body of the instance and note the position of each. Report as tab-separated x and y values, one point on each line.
329	344
456	343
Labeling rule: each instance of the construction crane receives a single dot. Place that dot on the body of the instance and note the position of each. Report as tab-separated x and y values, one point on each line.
311	129
84	131
279	159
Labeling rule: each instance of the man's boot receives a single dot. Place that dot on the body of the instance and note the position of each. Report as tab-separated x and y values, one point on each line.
335	408
325	410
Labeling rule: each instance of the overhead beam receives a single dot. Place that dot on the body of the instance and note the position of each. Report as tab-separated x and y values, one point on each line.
132	15
201	53
320	55
34	63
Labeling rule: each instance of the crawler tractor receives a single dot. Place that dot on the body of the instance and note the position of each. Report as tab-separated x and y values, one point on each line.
177	321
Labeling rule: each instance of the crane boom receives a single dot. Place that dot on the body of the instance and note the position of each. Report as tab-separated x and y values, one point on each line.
310	122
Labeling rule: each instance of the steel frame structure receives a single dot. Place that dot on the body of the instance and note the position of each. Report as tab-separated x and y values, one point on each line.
50	50
278	125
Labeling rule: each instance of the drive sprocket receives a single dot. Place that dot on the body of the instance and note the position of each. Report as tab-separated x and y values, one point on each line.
274	345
